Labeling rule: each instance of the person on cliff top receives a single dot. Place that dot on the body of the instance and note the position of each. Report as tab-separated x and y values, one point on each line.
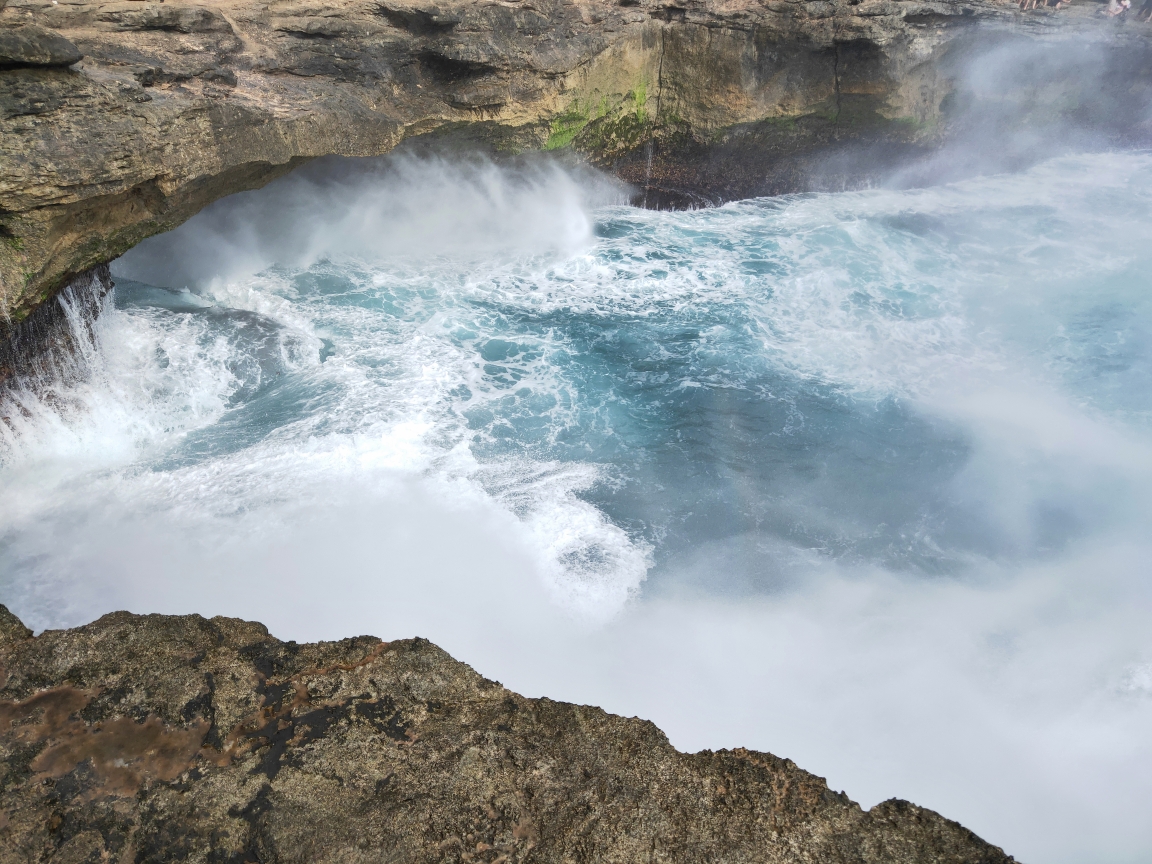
1116	8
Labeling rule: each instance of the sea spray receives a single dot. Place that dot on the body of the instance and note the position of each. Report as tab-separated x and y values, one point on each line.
47	355
860	479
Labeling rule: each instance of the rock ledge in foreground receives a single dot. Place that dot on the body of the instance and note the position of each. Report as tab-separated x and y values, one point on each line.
157	738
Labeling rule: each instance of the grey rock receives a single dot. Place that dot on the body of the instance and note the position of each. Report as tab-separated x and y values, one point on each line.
29	45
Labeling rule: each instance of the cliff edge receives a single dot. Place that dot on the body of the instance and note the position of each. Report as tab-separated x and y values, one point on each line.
162	738
121	118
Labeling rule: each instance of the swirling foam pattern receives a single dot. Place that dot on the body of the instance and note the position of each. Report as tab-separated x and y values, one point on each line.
864	479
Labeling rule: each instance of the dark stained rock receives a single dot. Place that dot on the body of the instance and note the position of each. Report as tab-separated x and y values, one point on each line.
30	45
156	738
43	347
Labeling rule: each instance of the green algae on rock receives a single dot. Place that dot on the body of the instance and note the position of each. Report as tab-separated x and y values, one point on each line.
179	738
176	104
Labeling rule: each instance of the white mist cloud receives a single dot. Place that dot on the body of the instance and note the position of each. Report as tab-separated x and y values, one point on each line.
1014	704
1012	695
1019	100
405	207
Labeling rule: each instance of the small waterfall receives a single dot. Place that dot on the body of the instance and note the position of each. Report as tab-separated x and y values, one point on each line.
53	347
647	174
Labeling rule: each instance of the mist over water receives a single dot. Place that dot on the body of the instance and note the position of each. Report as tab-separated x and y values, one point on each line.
860	479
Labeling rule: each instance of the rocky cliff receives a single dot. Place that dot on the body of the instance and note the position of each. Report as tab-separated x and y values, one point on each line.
155	738
121	118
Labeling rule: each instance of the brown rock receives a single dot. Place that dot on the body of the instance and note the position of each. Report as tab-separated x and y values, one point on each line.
180	102
155	738
12	629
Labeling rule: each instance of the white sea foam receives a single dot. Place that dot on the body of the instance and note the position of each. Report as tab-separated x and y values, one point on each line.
361	433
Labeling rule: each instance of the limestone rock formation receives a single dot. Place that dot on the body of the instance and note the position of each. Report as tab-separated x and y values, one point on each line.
176	103
156	738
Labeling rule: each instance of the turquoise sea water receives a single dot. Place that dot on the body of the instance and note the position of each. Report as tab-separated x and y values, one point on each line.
862	479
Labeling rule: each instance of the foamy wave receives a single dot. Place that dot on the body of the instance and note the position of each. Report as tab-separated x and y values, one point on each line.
880	456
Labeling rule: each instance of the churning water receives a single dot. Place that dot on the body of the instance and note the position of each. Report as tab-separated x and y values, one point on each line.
862	479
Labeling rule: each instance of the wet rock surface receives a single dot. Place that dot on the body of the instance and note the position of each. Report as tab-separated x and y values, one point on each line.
156	738
42	348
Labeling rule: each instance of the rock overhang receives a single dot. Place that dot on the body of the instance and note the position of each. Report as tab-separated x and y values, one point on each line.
176	104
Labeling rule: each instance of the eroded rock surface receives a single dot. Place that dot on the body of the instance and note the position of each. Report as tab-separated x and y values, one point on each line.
176	103
29	45
156	738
